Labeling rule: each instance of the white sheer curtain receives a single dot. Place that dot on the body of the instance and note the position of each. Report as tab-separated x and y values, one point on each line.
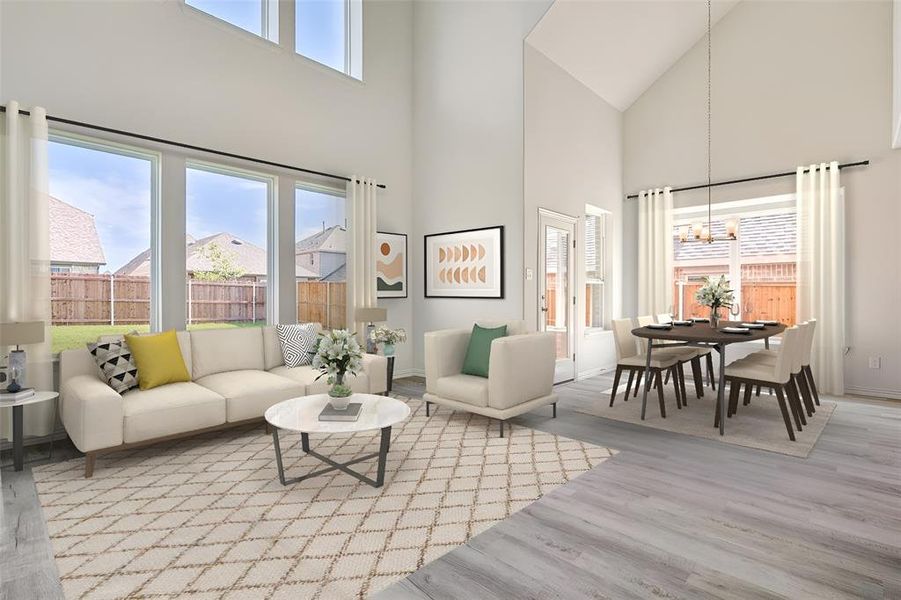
25	250
655	251
362	204
821	270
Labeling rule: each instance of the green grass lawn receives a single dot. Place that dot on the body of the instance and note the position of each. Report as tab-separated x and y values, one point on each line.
66	337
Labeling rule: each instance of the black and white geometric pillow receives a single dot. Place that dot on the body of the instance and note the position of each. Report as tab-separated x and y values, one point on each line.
116	364
298	342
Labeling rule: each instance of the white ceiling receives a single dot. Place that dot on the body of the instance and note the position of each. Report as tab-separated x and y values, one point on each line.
618	48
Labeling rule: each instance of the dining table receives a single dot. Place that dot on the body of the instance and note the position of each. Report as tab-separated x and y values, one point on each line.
702	335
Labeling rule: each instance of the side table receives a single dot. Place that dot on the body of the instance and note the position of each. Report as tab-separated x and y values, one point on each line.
390	373
18	424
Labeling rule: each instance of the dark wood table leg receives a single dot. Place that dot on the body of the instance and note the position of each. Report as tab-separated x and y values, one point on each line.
721	401
18	439
390	374
647	379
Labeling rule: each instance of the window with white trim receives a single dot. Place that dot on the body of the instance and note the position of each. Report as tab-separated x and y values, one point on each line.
330	32
259	17
595	267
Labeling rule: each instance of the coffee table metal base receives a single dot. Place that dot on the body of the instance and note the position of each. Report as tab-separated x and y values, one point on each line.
382	454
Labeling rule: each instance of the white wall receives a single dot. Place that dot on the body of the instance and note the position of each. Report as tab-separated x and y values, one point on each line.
573	157
468	142
166	70
793	83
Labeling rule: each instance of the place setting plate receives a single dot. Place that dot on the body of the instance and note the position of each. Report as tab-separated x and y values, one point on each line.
738	330
765	322
660	326
683	323
754	325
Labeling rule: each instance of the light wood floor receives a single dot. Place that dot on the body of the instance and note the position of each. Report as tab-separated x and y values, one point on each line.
669	517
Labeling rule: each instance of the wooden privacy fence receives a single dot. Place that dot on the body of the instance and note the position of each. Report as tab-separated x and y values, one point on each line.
759	300
322	302
88	299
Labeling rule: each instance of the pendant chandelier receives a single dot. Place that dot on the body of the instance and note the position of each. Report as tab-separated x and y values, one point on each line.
701	232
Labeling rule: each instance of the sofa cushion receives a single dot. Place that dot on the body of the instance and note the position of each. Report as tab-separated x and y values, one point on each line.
463	388
272	350
513	327
158	358
221	350
170	409
306	375
116	364
184	343
248	393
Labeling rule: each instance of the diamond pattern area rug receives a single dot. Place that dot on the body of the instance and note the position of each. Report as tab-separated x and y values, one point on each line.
205	517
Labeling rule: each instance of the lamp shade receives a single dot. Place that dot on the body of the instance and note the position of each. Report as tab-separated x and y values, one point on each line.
371	315
21	333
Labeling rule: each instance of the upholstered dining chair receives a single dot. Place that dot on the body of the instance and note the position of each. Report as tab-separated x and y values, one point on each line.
776	374
696	363
628	358
684	353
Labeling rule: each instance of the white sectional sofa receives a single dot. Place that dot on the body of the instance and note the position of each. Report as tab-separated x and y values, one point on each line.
520	372
236	374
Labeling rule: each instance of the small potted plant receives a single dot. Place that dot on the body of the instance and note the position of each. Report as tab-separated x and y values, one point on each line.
715	294
338	354
388	338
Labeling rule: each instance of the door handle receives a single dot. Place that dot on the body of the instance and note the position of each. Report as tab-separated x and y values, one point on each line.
544	307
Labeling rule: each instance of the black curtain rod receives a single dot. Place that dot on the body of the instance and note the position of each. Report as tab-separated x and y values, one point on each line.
860	163
190	147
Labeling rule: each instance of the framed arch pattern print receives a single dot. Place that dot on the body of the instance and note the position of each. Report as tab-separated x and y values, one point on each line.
390	265
465	264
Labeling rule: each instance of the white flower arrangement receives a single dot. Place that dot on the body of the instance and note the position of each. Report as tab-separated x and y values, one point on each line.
386	335
715	294
338	353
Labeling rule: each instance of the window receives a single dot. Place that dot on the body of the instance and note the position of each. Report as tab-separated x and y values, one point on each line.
760	266
256	16
100	226
320	250
226	247
595	266
330	32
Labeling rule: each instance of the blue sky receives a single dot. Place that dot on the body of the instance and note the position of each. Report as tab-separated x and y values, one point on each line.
116	190
318	28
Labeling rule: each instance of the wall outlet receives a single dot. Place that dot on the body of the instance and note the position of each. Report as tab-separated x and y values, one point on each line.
875	362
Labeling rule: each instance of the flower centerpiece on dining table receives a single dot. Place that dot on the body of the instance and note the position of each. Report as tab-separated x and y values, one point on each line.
388	338
716	294
338	354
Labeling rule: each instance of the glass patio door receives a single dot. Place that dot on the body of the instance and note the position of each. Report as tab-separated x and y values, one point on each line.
556	289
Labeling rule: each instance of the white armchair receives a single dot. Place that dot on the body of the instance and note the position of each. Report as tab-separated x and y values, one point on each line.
520	373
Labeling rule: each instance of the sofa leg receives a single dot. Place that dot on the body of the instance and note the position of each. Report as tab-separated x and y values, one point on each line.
427	405
502	428
555	409
89	460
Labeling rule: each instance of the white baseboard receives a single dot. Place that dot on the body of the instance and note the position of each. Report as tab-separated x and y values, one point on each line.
593	372
873	392
409	373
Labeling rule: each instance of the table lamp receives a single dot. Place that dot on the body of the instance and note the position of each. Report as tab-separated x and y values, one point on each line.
19	334
370	316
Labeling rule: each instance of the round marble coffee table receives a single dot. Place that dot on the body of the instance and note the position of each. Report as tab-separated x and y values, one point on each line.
302	415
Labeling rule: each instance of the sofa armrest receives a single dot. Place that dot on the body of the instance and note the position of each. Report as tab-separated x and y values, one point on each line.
376	369
444	354
521	368
91	412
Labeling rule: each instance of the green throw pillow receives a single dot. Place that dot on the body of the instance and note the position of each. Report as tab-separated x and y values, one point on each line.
479	350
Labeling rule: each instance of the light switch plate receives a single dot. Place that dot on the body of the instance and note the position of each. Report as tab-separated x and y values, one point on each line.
529	274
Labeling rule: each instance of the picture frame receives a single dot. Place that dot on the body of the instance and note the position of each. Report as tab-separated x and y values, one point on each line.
392	259
468	263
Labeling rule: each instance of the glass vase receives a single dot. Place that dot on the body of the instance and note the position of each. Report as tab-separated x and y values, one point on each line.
388	349
338	397
714	317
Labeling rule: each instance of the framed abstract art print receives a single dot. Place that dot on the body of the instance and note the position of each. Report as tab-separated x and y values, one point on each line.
465	264
391	265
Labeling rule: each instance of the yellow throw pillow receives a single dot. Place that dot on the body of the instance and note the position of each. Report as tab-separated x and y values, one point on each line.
158	359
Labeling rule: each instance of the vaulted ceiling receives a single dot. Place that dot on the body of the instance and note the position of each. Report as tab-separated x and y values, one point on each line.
618	48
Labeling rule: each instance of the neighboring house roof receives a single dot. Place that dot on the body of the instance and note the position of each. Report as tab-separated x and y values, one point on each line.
73	235
249	257
338	275
332	239
302	272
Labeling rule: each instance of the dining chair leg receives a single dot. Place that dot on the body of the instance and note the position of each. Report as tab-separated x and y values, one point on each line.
758	391
788	424
659	379
675	374
666	380
619	371
795	405
801	384
716	413
629	385
734	387
748	388
682	386
711	375
638	383
696	375
813	386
